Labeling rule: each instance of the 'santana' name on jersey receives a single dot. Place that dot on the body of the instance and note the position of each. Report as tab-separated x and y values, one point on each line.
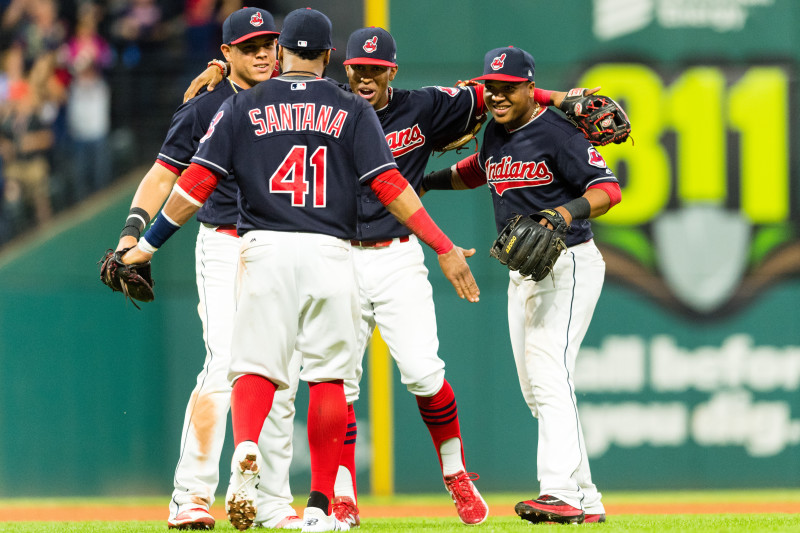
506	174
298	117
403	141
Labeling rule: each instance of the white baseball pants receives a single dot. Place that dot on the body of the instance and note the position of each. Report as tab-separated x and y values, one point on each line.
547	324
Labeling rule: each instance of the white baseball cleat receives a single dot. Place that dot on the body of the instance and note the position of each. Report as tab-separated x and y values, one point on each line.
315	519
245	476
194	518
282	522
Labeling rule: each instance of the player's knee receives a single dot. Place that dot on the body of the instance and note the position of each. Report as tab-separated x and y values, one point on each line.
427	386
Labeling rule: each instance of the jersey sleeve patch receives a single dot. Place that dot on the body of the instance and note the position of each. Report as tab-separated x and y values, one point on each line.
451	91
595	159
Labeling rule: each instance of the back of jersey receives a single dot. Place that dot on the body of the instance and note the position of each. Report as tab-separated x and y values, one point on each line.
298	148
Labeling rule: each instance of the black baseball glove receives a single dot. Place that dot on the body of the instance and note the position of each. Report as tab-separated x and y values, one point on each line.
600	118
134	281
529	247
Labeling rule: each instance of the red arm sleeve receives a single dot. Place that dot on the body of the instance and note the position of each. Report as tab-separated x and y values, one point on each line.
479	90
470	172
613	191
388	185
196	184
541	96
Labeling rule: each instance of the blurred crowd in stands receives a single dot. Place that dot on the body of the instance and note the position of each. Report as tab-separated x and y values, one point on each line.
87	89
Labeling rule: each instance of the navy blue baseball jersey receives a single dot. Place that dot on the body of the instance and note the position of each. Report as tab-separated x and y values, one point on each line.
545	163
189	124
414	123
298	149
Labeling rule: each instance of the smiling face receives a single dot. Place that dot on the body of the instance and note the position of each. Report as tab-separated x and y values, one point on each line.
371	82
511	103
252	61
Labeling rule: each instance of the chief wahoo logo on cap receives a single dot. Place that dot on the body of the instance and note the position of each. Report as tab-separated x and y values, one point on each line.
497	62
370	45
256	20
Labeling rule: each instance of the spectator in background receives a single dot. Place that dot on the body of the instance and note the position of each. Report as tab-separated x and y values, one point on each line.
36	29
202	35
138	34
86	55
25	143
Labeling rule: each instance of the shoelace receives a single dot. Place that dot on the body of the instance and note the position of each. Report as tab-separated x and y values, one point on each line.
459	486
344	510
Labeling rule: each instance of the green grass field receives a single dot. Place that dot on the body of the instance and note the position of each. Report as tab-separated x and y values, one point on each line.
743	519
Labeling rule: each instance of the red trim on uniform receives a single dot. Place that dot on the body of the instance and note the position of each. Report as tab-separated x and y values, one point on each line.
254	34
174	170
228	229
479	90
470	171
428	232
542	97
611	188
501	77
368	61
388	185
198	182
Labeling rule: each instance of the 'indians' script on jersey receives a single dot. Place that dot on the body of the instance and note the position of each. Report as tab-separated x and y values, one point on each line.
508	174
403	141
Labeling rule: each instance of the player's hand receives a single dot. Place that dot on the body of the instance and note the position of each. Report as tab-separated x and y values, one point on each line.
455	268
210	76
136	255
558	96
128	241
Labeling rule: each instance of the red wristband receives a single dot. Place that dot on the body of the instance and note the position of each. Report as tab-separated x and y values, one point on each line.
428	232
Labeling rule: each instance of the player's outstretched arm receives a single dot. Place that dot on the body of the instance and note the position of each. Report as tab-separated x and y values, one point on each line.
400	199
189	194
466	174
210	76
150	196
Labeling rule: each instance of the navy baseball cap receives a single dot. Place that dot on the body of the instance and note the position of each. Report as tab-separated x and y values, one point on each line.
307	28
371	46
247	23
507	64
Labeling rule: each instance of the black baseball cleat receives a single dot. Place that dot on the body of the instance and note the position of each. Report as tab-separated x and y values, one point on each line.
547	508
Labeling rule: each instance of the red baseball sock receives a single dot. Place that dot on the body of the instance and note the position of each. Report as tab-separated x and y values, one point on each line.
251	401
327	425
348	459
440	414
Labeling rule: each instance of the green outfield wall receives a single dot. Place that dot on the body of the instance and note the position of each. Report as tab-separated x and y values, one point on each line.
689	376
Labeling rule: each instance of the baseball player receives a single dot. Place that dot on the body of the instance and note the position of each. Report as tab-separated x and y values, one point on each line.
394	291
299	148
533	159
249	45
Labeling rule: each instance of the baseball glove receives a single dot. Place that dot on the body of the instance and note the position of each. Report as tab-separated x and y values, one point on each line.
600	118
134	281
458	144
529	247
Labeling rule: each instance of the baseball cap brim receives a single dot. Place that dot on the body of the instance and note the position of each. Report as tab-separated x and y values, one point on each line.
368	61
500	77
254	34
